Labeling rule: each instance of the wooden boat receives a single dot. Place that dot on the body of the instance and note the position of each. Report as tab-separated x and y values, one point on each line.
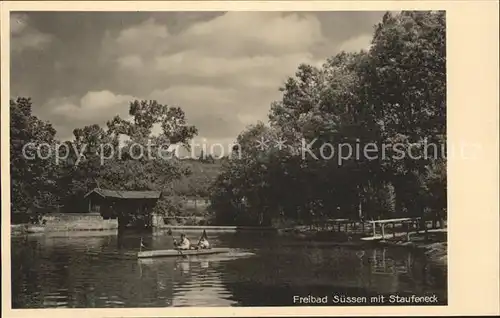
158	253
229	256
181	253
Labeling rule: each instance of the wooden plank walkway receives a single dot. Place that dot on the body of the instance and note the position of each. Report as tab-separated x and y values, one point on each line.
398	220
400	234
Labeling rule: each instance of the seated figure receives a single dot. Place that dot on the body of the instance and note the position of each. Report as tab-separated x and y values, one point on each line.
183	244
203	243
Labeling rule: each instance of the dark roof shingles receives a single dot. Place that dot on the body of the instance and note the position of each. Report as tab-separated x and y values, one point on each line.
126	194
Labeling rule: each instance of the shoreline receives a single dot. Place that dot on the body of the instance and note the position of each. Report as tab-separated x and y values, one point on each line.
29	229
435	250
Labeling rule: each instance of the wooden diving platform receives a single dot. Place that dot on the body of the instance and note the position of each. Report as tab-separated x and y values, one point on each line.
384	222
400	234
398	220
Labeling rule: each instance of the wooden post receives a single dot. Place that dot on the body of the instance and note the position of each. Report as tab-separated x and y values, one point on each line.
383	256
407	231
363	227
383	232
373	228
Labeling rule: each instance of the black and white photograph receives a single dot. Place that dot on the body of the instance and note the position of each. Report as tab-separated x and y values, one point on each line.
228	158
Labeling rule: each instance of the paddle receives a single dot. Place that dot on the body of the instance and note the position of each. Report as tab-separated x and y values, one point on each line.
203	235
141	246
169	232
182	254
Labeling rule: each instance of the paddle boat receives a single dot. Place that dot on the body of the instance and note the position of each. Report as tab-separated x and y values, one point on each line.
175	252
161	253
182	253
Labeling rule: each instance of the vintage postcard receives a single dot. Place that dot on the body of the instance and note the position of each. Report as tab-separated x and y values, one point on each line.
249	159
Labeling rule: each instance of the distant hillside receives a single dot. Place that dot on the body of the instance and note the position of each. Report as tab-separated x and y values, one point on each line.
197	183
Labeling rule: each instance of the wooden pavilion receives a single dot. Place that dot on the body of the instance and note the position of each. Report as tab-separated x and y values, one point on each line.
132	208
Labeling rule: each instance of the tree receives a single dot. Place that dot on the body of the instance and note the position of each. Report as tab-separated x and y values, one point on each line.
394	94
108	164
405	81
33	185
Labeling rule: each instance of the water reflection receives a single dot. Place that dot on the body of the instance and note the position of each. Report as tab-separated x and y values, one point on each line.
381	264
327	271
194	282
50	271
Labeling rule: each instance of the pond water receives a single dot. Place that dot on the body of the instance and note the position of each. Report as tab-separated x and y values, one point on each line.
264	269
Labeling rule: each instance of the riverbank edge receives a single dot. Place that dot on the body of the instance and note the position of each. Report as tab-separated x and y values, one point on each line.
24	229
436	251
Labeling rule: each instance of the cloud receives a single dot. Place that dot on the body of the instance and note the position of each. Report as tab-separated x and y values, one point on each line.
362	42
224	72
249	69
95	107
228	35
222	69
217	112
136	33
18	23
139	39
131	62
255	33
24	37
233	43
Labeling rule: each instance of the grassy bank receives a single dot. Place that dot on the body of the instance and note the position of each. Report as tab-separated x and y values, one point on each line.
434	245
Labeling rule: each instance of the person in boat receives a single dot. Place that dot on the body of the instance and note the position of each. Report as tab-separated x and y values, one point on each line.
203	242
183	244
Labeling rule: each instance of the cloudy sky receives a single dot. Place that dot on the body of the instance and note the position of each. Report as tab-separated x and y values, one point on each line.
223	69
